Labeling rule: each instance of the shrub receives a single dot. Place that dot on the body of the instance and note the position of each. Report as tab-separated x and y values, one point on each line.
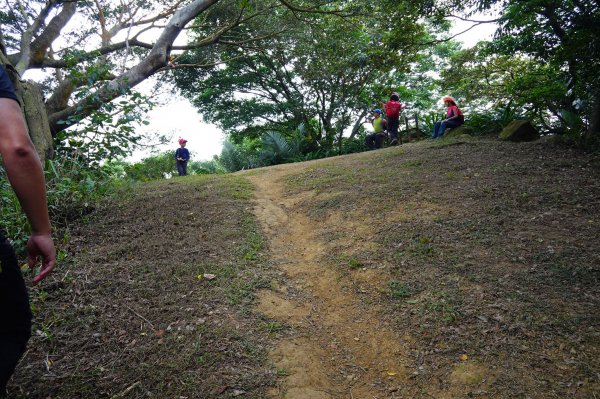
73	190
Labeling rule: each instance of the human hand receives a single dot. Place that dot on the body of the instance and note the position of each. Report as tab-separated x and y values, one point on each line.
41	245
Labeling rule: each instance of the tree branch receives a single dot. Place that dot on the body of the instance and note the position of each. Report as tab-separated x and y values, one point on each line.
39	47
429	43
154	61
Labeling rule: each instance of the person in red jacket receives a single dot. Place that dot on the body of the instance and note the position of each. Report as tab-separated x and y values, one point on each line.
392	110
26	177
454	118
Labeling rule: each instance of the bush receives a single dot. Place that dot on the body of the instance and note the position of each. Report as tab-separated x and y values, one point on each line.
154	167
73	191
493	121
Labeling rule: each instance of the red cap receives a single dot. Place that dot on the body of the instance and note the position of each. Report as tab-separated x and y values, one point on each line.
181	141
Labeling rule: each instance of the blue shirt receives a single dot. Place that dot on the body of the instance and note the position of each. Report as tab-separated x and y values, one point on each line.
6	87
182	153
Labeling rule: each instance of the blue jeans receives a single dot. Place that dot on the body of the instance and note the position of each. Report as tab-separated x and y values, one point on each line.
441	126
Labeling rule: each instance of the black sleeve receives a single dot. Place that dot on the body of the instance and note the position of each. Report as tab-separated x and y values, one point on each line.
6	87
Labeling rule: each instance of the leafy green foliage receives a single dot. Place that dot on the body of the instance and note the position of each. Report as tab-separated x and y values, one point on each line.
562	35
274	149
153	167
163	165
206	167
235	157
492	122
321	74
109	132
73	190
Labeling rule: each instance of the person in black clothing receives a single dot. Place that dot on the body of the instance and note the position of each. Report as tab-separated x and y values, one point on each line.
182	155
24	171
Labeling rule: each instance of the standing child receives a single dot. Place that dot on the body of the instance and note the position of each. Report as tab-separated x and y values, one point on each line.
454	118
182	155
392	109
375	139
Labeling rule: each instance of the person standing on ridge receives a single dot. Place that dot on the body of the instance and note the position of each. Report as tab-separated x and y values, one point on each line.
182	155
392	110
24	171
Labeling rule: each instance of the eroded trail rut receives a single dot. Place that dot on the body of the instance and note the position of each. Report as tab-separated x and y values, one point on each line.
339	348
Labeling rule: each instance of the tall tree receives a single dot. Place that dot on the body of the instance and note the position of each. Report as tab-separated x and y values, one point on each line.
321	72
100	49
564	34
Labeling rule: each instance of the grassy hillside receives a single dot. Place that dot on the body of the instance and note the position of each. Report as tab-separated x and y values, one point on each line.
478	259
130	312
484	255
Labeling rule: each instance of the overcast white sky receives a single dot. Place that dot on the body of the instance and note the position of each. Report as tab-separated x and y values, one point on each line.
179	119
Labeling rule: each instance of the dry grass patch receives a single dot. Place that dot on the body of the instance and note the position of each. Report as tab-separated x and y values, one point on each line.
130	312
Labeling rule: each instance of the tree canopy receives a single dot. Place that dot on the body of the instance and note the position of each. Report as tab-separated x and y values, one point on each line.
322	72
563	34
97	51
272	65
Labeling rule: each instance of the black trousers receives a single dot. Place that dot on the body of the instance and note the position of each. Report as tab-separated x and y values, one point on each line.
393	124
374	140
182	168
15	313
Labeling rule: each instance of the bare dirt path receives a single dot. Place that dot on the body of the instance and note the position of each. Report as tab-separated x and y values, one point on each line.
339	348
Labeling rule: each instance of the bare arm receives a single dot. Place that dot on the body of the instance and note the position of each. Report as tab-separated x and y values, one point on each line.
25	174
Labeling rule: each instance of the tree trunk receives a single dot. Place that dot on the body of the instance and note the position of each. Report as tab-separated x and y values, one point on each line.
593	133
37	121
358	123
34	111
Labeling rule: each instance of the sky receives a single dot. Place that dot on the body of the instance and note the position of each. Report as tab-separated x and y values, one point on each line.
477	34
179	119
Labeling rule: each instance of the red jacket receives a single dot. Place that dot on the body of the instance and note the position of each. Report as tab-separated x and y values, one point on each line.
393	109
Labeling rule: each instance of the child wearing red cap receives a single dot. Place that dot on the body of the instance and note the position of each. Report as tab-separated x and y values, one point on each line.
182	155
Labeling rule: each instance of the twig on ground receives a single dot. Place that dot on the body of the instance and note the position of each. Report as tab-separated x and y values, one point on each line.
126	391
141	317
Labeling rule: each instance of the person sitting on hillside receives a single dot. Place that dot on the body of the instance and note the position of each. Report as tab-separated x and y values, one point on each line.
392	110
454	118
375	139
182	155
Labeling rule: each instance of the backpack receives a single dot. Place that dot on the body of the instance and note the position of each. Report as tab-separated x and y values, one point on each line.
392	109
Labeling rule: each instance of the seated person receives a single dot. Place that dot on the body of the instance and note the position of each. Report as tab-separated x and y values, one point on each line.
375	139
454	118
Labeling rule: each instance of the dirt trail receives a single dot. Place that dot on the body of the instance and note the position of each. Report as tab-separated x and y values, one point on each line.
339	348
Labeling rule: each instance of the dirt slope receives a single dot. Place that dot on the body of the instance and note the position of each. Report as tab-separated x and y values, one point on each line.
453	269
446	270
